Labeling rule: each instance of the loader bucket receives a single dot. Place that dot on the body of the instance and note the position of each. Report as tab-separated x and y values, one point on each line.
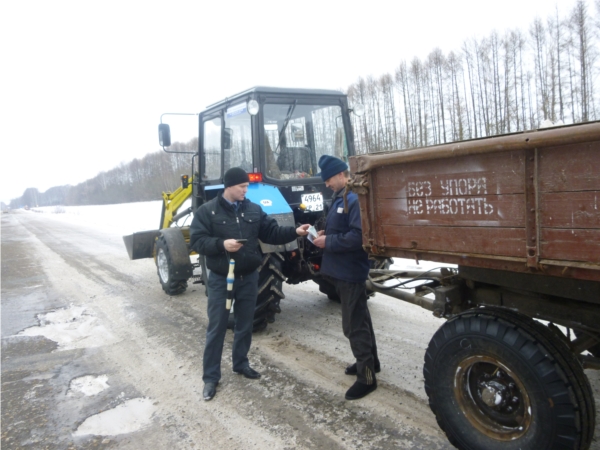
141	245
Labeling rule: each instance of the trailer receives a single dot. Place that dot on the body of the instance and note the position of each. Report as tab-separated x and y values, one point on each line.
518	217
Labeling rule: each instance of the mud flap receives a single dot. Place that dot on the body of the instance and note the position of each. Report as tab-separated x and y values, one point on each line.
141	245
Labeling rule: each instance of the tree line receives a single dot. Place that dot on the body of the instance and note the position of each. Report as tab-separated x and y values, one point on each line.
503	83
139	180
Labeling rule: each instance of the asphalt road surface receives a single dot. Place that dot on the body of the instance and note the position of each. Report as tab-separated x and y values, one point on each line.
95	355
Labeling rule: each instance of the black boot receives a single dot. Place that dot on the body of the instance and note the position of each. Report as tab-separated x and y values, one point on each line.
351	369
359	390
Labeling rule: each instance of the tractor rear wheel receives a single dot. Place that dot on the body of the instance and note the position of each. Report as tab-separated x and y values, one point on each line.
164	267
270	290
328	289
270	282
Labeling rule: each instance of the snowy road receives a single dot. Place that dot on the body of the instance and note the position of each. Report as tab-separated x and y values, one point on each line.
95	355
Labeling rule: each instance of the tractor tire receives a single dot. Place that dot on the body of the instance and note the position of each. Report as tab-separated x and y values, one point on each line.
270	290
270	282
497	379
328	289
164	268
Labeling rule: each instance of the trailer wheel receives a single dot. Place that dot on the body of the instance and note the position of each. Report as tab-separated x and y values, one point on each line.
499	380
164	265
270	290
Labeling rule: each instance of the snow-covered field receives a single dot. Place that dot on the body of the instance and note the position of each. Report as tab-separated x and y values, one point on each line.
124	218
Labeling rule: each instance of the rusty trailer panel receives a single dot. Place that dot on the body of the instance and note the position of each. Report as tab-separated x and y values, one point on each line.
527	202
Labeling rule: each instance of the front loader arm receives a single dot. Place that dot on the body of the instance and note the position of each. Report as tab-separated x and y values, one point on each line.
142	244
172	201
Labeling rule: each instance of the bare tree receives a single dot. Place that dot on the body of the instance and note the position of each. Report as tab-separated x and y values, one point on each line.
554	25
402	86
538	38
580	26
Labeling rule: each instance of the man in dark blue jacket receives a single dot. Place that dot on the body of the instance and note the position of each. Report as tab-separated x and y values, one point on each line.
346	266
217	227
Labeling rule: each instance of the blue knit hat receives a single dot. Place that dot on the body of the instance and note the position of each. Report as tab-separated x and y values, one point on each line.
330	166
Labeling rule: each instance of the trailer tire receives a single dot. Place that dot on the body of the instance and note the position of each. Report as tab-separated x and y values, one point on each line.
164	268
496	379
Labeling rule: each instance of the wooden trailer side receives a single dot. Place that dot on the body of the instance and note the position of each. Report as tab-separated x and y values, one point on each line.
528	202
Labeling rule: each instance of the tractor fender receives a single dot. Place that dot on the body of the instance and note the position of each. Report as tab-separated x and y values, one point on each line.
273	203
181	266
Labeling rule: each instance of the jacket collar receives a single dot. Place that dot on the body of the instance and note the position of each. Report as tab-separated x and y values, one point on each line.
338	194
224	203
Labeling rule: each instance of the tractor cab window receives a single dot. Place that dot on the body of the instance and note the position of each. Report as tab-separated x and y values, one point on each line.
237	138
296	136
212	148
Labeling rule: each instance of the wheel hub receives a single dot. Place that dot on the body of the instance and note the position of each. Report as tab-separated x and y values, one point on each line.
492	398
163	265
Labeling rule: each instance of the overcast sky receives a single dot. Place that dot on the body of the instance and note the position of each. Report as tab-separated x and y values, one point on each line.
84	83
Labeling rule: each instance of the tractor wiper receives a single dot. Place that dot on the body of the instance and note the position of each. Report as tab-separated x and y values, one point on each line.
285	123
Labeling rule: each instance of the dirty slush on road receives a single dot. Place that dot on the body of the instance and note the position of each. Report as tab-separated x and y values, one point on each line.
94	356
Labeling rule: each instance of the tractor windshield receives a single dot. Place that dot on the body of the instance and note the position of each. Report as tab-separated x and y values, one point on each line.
296	136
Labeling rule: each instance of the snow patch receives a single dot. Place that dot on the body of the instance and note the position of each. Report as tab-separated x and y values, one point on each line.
74	327
421	265
133	415
88	385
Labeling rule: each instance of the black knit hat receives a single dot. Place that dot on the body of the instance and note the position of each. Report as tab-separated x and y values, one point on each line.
235	176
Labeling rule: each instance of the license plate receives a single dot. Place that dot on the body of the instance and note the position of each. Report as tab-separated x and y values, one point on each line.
313	202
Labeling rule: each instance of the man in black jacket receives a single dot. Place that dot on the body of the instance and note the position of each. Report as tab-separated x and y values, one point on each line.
216	228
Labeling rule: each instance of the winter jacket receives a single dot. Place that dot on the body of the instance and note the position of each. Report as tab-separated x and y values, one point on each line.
343	256
217	220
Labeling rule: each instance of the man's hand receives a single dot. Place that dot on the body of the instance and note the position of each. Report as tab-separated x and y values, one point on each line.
320	241
302	230
231	245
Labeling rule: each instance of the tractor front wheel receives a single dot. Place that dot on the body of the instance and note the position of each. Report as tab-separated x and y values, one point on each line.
164	268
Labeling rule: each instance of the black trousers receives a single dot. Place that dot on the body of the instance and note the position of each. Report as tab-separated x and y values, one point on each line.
245	291
357	327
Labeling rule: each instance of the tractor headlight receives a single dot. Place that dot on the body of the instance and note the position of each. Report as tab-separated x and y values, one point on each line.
253	107
358	109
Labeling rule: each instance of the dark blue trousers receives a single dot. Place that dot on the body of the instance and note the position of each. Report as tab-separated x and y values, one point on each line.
245	289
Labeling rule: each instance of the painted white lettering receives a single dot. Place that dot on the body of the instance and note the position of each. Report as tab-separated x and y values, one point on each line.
457	197
415	206
489	209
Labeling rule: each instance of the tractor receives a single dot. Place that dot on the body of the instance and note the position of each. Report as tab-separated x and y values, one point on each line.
277	136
